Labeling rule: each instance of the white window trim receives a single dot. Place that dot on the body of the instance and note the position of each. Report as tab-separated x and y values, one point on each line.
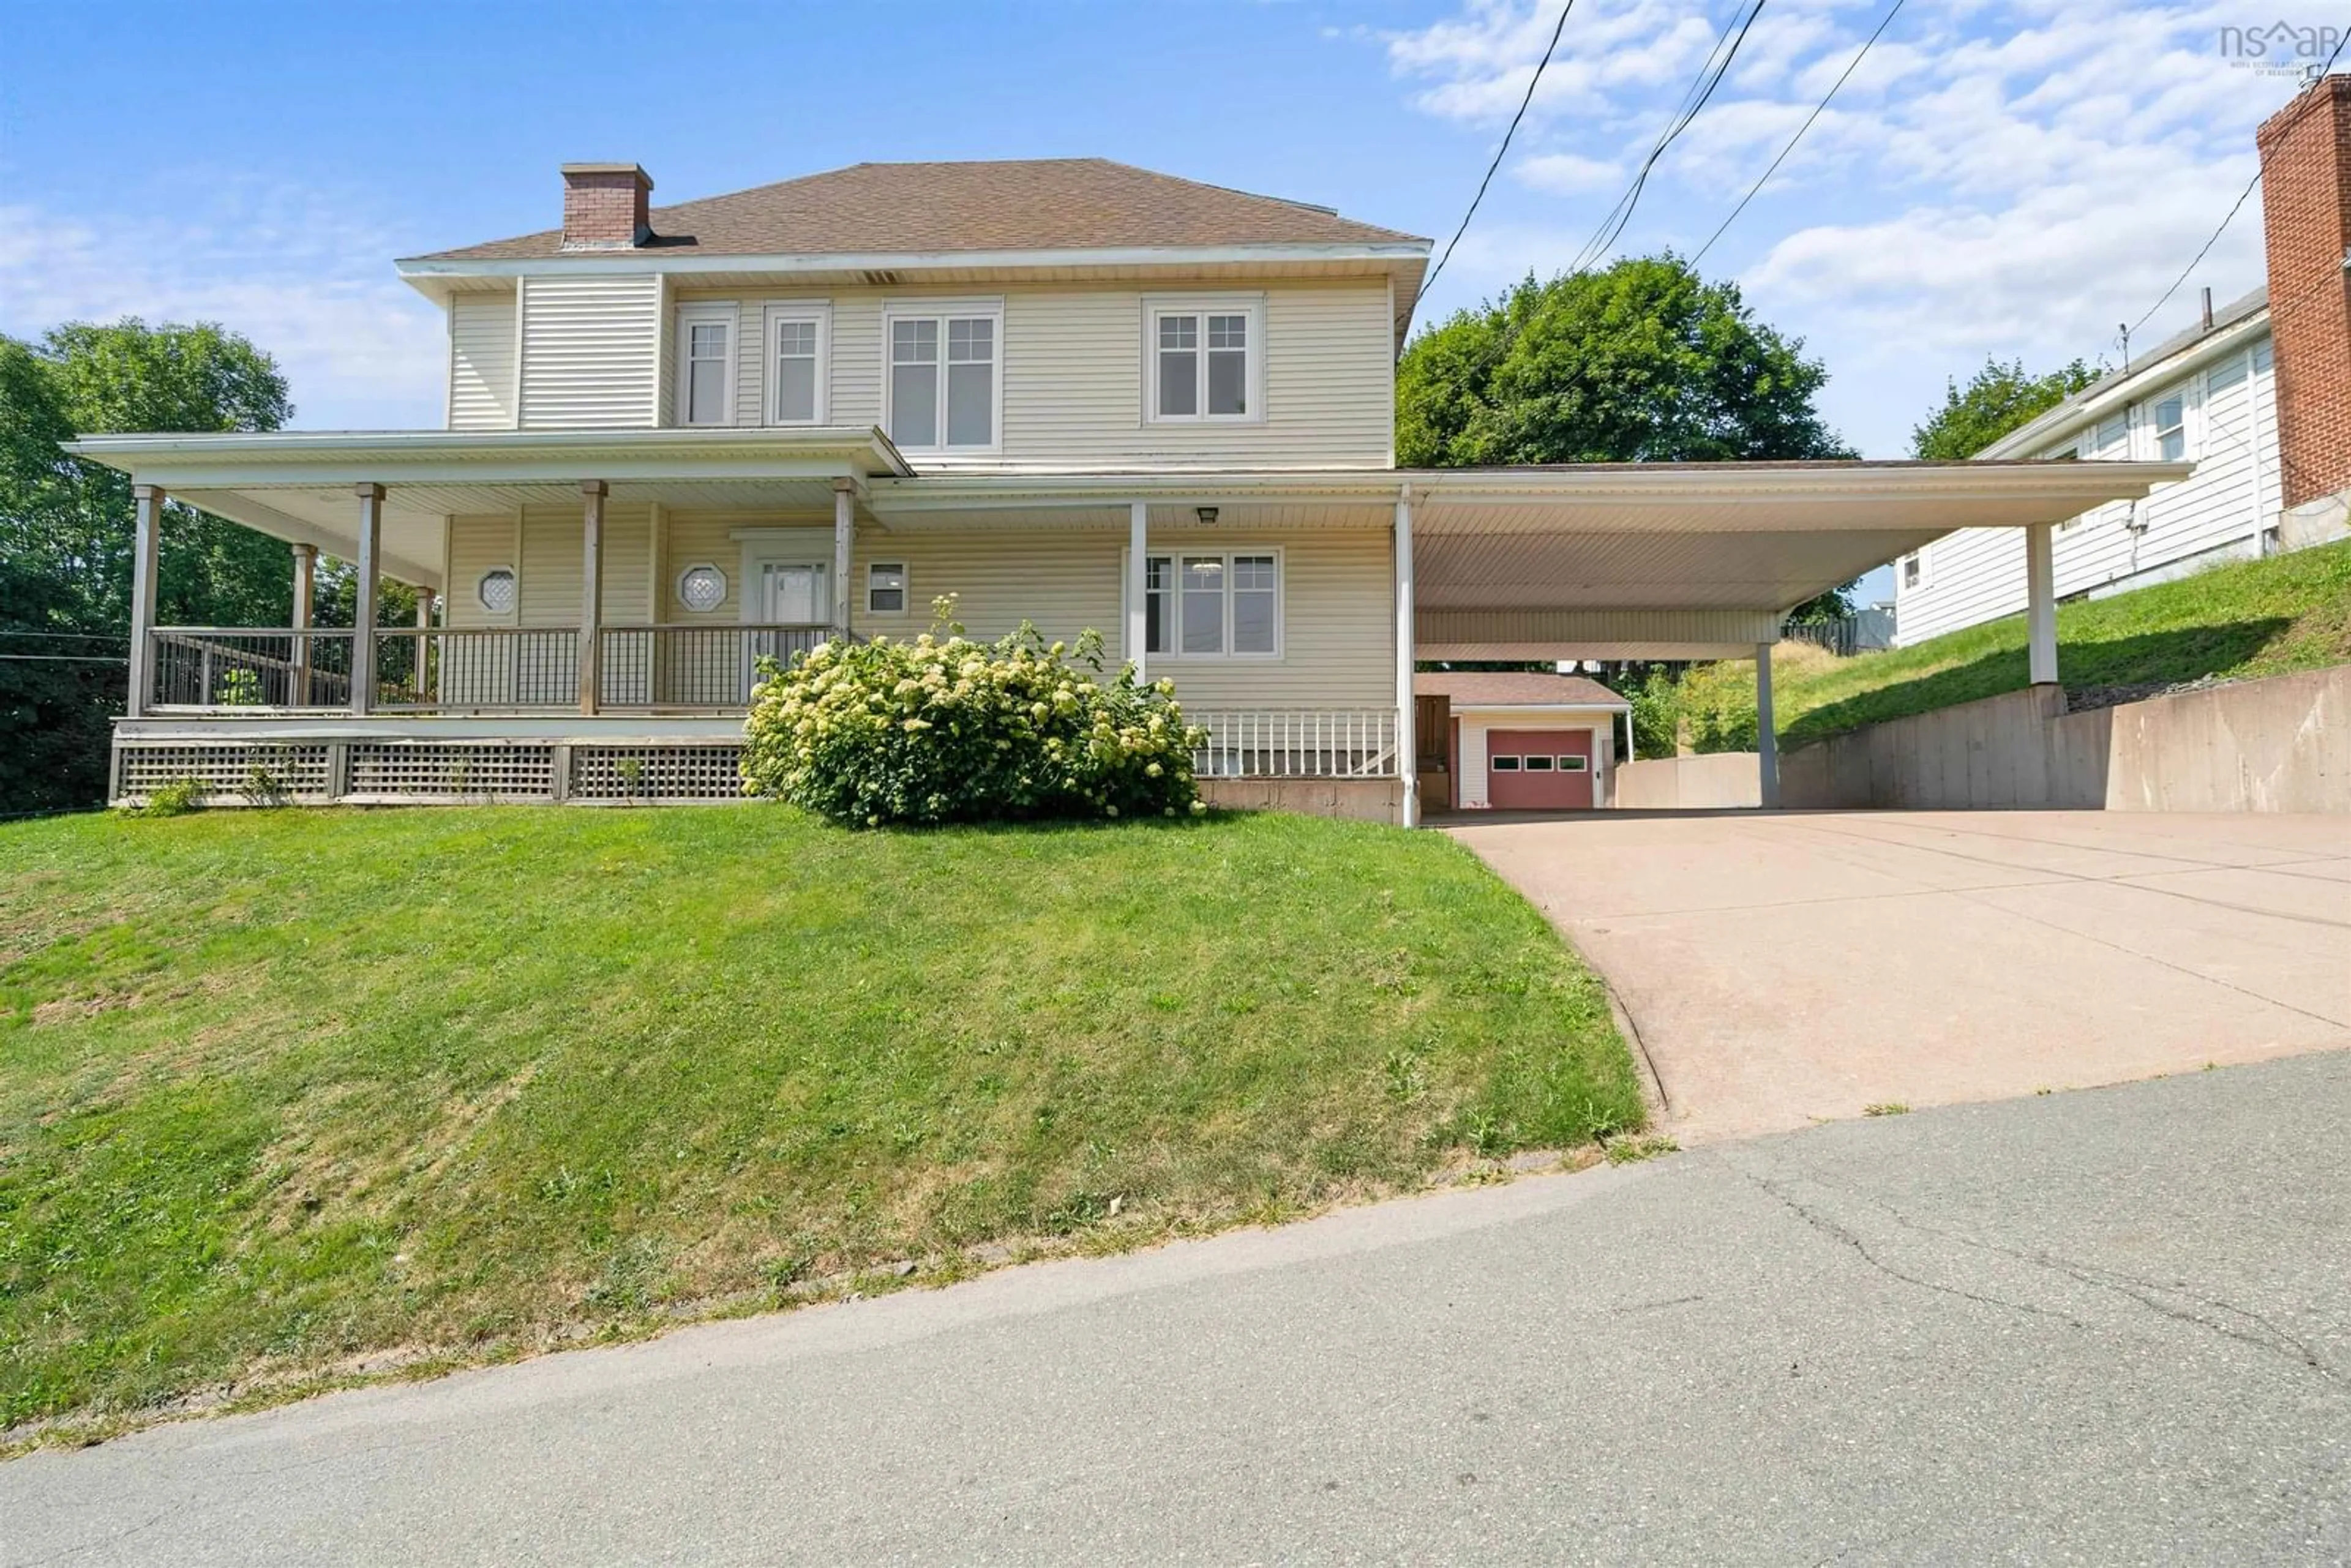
939	310
702	313
1925	571
1175	553
512	611
2183	394
677	587
1155	306
905	586
780	310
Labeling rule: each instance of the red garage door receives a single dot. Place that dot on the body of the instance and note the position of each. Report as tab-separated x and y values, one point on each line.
1539	770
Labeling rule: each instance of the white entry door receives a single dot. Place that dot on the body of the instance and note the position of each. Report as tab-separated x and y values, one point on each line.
796	593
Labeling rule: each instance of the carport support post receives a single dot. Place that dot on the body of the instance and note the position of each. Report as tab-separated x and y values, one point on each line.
146	543
1767	744
1408	747
364	589
1138	610
592	589
2041	604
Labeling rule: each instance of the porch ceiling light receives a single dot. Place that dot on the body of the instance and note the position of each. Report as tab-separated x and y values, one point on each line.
1207	516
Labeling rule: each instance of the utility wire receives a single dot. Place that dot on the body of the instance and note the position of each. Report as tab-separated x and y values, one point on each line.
1891	13
1532	83
1709	78
2234	207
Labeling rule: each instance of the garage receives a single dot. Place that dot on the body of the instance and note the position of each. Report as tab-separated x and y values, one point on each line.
1539	770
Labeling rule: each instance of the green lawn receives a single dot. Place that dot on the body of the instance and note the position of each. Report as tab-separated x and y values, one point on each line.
281	1089
2252	618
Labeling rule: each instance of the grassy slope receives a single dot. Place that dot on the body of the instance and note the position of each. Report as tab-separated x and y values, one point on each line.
2253	618
278	1088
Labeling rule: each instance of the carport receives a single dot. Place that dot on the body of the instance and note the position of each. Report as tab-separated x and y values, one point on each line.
1701	560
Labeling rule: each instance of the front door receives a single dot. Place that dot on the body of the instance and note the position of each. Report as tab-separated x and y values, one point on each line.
1539	770
795	593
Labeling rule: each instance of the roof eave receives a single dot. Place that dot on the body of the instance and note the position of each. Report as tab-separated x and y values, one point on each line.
2102	397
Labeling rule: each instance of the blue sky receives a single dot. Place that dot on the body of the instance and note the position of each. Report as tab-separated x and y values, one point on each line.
1997	178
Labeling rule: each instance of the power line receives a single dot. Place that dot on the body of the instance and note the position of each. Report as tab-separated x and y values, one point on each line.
1709	78
1532	83
1867	45
2234	207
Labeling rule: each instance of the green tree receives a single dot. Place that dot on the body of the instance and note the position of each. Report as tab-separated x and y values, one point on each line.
1996	399
66	530
1644	363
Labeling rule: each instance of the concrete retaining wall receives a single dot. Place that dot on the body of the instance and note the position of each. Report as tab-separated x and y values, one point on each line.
2277	744
1354	800
1722	780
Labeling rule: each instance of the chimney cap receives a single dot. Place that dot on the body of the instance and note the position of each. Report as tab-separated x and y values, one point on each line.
644	179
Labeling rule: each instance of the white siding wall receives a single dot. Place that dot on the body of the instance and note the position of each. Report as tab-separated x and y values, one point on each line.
591	352
1978	574
1073	377
482	361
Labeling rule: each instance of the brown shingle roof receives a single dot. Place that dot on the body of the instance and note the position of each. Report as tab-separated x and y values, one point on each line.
1511	688
1046	204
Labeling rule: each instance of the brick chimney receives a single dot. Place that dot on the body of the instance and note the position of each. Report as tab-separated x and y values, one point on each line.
2306	213
604	206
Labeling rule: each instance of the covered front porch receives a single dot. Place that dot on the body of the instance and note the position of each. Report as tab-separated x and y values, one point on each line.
612	680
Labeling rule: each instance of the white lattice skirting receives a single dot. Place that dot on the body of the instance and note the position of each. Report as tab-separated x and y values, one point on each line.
426	773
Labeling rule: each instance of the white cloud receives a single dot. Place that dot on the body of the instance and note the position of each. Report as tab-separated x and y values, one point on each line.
1567	172
309	282
1998	176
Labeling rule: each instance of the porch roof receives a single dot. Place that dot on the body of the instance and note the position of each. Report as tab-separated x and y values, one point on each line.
1599	561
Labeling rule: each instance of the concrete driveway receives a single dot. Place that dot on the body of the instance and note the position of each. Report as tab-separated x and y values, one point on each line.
1791	967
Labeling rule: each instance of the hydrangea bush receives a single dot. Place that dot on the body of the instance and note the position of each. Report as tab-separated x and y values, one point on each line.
944	729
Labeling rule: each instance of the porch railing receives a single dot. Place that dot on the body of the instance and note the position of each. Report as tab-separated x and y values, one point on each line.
1298	743
485	669
250	666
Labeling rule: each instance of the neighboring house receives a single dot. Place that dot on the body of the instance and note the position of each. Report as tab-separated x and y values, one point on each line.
1523	741
2257	395
1070	392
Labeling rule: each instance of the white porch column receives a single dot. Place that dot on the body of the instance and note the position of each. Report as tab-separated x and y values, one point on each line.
423	643
146	544
1767	744
1138	607
2041	604
1408	744
844	536
592	589
305	584
364	607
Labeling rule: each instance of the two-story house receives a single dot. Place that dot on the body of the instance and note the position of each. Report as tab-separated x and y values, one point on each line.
2256	395
1070	392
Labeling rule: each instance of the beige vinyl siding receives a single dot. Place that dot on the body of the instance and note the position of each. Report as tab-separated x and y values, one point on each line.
1338	627
1073	377
1978	574
482	361
593	350
476	544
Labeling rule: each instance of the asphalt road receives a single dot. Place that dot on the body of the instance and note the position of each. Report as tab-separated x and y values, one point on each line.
2111	1326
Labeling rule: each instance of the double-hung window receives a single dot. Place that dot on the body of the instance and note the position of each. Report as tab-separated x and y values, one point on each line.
944	376
796	363
1205	359
2171	428
1213	604
705	364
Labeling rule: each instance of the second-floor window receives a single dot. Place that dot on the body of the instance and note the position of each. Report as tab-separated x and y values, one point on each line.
944	378
706	368
795	368
1206	359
